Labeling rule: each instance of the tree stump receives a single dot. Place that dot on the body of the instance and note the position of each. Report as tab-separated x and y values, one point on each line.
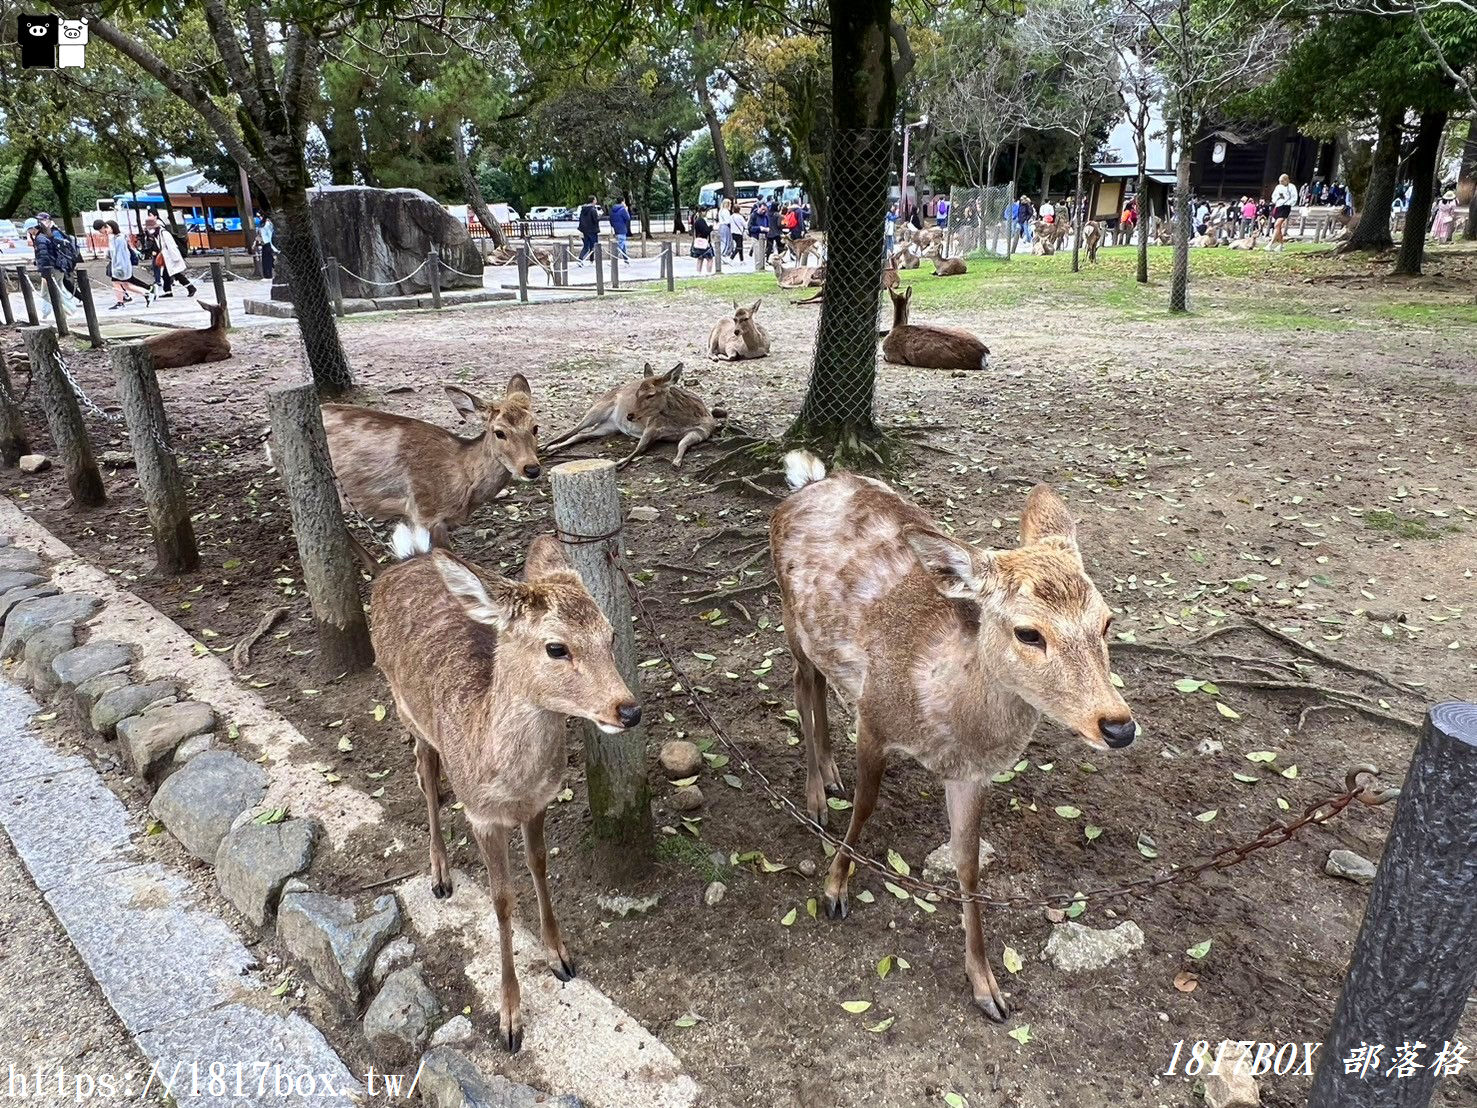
63	416
153	456
13	441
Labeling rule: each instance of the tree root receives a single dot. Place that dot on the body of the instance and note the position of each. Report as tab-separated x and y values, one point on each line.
241	655
724	594
736	532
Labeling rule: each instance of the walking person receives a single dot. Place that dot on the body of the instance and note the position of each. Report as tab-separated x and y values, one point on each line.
55	253
1284	196
889	232
736	227
589	225
121	260
774	234
620	224
759	225
702	242
1026	214
1445	221
264	235
159	246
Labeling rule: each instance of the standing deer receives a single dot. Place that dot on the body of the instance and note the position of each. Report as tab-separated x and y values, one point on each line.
1092	238
738	336
928	345
948	652
484	672
654	408
392	467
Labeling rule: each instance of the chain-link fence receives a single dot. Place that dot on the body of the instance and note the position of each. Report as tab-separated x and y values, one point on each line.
976	222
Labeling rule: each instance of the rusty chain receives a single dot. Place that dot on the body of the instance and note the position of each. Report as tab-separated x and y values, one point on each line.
1361	783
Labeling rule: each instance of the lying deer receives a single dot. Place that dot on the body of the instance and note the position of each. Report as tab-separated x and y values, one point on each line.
948	652
192	346
392	467
798	277
484	672
907	256
928	345
738	336
654	408
1247	242
942	266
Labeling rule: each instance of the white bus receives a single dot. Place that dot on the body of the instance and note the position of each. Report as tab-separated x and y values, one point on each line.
710	194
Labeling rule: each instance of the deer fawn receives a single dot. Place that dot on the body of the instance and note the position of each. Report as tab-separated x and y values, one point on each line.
393	467
484	672
928	345
948	652
739	336
652	409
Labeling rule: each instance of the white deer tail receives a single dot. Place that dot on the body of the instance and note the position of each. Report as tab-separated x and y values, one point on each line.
409	540
803	468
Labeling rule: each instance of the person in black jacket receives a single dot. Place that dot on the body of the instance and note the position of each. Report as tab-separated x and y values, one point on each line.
55	253
589	228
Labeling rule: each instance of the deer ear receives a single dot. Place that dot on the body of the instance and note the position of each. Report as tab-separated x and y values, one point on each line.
673	375
755	306
1046	516
467	404
545	556
952	564
908	295
518	383
483	602
647	371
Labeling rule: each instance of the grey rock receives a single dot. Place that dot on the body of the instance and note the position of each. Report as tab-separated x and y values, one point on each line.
689	798
938	867
643	514
118	458
807	867
326	934
149	739
19	558
714	893
116	705
86	694
44	647
34	463
398	1021
1209	746
1231	1084
18	579
200	802
1075	948
450	1080
1350	866
195	744
93	659
456	1030
395	954
30	616
624	905
255	860
681	758
28	592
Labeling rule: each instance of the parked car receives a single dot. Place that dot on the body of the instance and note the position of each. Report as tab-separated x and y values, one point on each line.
544	211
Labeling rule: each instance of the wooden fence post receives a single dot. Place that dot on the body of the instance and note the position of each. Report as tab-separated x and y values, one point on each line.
587	503
89	308
717	248
561	268
330	573
523	273
63	416
153	456
669	261
53	290
218	279
5	300
433	270
335	284
13	441
596	259
615	267
28	294
1415	961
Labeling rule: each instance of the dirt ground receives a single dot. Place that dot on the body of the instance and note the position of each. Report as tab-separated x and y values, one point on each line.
1308	468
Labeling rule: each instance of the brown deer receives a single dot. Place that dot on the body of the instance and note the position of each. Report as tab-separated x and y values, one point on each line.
906	256
738	336
654	408
889	277
392	467
804	248
798	277
1092	238
484	672
192	346
928	345
942	266
948	652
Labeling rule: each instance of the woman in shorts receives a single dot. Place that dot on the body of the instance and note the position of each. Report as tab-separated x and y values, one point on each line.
1284	196
702	242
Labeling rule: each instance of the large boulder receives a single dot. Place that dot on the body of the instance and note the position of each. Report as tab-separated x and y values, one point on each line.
381	235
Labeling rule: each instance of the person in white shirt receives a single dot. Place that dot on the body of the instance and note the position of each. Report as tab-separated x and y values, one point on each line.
265	234
737	225
1284	196
1048	212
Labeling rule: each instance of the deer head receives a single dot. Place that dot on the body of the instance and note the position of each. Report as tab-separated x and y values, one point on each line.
742	316
900	305
512	435
1043	626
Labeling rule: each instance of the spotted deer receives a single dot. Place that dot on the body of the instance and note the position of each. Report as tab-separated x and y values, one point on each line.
392	467
947	652
484	672
653	408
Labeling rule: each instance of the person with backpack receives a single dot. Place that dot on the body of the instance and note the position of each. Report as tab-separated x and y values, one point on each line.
121	260
158	245
759	223
795	222
775	233
589	225
55	252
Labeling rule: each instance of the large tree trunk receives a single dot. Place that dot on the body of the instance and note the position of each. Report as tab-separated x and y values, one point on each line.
1423	177
1371	229
1079	217
838	403
61	183
22	185
297	244
1469	171
1179	287
473	189
646	200
677	227
170	218
715	129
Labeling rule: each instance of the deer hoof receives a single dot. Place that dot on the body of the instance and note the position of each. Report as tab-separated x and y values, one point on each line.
563	969
510	1034
997	1010
835	790
837	907
441	889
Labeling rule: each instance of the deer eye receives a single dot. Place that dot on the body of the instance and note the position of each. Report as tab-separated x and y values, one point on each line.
1030	636
499	434
557	650
535	428
1108	626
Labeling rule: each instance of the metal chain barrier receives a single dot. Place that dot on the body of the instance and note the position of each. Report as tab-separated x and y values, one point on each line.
159	434
378	284
1361	783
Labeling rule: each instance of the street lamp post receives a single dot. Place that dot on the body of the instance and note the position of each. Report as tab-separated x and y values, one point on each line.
903	190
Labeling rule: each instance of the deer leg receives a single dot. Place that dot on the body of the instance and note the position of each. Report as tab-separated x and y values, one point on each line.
583	433
538	865
648	436
689	440
806	677
493	839
966	801
366	559
871	759
825	756
428	776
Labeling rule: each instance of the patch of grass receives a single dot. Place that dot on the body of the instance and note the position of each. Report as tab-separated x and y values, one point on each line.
687	851
1430	315
1381	520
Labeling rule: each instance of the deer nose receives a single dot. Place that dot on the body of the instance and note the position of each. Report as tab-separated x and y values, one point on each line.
629	714
531	472
1117	733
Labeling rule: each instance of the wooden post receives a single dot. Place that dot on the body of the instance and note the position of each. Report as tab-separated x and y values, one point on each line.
335	284
523	273
760	246
717	248
153	456
58	306
433	269
1302	224
28	294
615	267
89	308
63	416
599	272
561	267
5	300
13	441
587	503
1415	961
218	279
669	260
330	573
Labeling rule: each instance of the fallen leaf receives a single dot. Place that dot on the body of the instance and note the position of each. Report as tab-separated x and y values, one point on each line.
789	918
1199	950
1185	981
856	1007
1226	710
1012	959
1262	756
884	967
1021	1034
1066	811
895	860
878	1028
1092	831
1206	817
